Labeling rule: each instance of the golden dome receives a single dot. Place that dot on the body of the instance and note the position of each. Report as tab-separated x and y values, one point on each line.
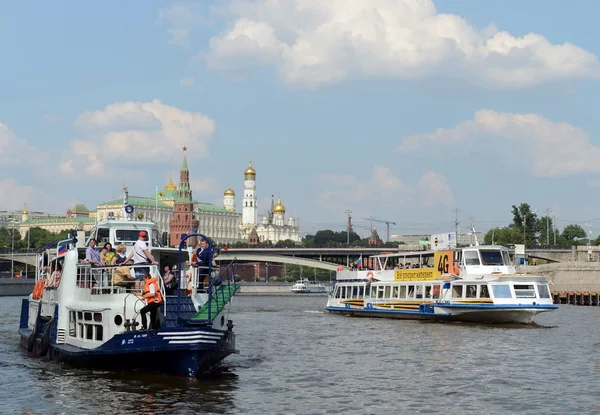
250	172
279	209
170	186
229	192
25	212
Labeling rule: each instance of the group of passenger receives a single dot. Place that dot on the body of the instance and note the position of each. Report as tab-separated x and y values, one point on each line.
143	284
412	266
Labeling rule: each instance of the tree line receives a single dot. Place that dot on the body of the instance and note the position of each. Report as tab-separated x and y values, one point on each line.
34	238
530	229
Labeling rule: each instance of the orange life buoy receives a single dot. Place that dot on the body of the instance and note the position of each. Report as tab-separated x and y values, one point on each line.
38	290
370	275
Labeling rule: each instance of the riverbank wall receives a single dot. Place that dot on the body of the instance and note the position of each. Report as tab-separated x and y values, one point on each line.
568	276
16	287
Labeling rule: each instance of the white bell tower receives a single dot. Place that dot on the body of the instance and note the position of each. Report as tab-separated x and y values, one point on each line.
249	208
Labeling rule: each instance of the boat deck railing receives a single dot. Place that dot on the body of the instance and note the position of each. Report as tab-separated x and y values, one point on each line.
113	279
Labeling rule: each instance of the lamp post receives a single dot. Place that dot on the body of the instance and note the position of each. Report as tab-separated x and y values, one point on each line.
554	222
548	210
348	212
26	268
457	211
12	253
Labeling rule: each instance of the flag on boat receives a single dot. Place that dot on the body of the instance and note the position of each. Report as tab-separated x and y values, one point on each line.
358	262
63	249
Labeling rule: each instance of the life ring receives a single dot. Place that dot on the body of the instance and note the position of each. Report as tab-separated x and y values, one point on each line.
370	276
129	209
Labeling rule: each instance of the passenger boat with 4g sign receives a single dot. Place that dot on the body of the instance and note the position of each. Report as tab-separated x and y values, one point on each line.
475	284
83	315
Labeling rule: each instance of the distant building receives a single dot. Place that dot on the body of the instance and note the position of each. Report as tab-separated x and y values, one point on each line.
273	226
184	220
56	223
145	208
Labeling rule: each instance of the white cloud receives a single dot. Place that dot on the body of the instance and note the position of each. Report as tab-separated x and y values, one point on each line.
131	132
313	42
182	18
202	184
551	149
187	82
382	188
35	198
15	150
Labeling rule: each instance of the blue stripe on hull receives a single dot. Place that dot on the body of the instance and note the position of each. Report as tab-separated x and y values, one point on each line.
147	350
496	306
373	312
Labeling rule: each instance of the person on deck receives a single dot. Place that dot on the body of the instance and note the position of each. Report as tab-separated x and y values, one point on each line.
151	294
141	256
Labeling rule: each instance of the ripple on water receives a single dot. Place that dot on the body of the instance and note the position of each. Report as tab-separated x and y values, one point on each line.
296	359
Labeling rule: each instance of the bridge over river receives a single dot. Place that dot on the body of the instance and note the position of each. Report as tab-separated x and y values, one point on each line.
330	258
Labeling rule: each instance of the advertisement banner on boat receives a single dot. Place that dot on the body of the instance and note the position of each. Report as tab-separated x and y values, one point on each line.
443	264
414	274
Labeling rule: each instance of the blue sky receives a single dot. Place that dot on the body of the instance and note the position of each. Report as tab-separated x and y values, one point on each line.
398	109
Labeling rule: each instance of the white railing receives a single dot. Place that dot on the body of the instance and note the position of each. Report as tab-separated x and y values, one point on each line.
114	279
201	276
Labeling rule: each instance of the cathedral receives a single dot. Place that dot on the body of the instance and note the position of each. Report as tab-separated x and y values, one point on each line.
273	226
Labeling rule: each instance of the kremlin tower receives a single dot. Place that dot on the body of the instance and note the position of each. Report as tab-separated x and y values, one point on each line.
249	208
229	199
184	221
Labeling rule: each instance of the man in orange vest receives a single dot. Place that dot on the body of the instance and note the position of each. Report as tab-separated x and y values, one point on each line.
153	299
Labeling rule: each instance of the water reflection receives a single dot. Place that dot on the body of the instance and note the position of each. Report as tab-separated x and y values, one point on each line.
296	359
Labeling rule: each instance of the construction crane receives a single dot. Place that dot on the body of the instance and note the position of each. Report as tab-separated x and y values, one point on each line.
387	223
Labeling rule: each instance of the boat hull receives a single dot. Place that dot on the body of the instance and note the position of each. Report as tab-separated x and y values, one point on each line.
488	315
178	352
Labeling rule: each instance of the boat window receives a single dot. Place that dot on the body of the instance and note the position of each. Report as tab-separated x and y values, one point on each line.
457	291
127	235
471	258
388	290
98	332
491	257
501	291
89	332
380	291
506	257
483	291
336	292
402	291
361	291
524	291
72	324
428	291
395	292
471	291
354	292
103	236
419	291
411	291
543	291
436	291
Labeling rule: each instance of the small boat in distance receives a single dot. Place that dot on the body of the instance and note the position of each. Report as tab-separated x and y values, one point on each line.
305	286
474	284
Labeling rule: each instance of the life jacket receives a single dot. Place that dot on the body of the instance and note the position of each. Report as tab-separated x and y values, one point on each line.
157	297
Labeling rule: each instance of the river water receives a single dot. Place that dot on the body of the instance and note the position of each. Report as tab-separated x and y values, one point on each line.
296	359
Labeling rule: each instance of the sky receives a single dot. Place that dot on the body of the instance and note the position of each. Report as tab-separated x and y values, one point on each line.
401	110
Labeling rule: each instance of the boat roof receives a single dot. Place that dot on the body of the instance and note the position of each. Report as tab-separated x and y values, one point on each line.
432	252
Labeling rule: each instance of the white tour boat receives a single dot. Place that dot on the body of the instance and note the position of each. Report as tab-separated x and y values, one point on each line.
305	286
477	284
85	316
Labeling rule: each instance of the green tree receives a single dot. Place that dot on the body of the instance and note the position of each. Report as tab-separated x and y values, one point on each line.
571	232
6	238
505	235
526	221
545	226
286	243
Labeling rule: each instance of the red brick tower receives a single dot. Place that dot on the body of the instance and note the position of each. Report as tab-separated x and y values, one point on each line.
183	220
